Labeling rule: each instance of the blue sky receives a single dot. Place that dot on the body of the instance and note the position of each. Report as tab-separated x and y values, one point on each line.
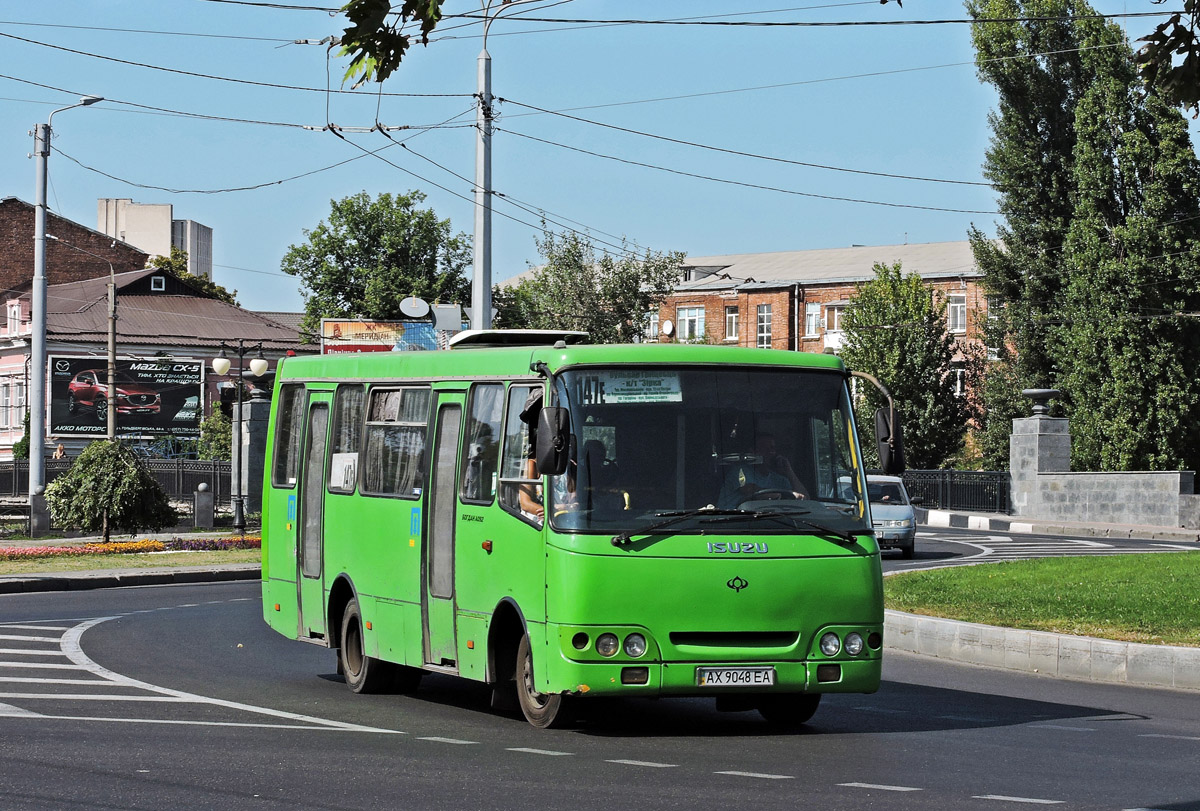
898	100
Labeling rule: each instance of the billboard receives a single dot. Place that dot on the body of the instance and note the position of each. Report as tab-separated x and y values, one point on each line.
152	397
340	335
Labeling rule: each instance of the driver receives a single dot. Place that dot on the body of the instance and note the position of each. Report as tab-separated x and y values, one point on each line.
772	471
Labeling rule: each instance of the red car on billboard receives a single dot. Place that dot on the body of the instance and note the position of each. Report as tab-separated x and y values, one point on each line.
88	390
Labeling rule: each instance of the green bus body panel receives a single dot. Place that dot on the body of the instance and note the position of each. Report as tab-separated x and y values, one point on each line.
687	600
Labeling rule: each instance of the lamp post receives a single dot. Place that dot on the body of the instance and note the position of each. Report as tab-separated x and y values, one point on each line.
112	336
37	383
221	365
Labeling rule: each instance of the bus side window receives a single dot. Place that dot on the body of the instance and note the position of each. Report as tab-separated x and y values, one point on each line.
394	442
289	431
514	466
347	432
481	453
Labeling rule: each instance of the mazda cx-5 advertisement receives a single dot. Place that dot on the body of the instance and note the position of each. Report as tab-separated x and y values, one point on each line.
150	397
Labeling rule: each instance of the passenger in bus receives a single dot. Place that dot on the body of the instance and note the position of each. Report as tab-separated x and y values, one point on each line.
529	497
768	471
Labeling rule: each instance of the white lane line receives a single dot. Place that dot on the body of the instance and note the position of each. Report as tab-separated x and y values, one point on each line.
30	680
9	711
103	697
881	710
456	741
1002	798
1170	737
969	718
14	627
324	726
759	775
648	763
40	666
1145	809
536	751
30	652
21	638
1062	727
880	787
1174	546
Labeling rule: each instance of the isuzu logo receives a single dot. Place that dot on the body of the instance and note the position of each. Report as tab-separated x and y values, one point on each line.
735	548
737	583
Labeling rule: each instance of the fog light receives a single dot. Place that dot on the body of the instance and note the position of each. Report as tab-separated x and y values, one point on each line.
607	644
580	641
828	673
875	640
854	644
830	644
635	646
635	675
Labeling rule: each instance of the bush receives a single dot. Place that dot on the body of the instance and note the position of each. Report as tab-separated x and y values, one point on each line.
109	489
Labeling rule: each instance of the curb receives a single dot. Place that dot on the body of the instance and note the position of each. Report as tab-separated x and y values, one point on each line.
953	520
125	578
1055	655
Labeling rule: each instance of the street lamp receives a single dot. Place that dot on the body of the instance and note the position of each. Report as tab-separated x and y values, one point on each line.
37	387
111	418
220	365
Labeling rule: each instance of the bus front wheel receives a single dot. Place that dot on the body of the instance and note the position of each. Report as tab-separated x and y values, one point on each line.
790	710
543	710
364	674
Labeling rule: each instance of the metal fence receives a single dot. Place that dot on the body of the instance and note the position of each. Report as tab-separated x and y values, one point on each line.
983	490
178	477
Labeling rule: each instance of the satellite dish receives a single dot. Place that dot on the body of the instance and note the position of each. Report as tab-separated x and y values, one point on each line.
667	327
414	307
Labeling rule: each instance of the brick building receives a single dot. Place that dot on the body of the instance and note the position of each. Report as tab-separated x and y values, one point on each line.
795	299
63	263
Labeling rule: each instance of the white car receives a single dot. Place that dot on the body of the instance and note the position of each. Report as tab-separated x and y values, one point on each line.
892	514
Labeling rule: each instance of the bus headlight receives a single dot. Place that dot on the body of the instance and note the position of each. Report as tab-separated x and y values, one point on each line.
830	644
854	644
635	646
607	644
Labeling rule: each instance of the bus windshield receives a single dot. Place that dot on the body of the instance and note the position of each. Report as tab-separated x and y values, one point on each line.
748	449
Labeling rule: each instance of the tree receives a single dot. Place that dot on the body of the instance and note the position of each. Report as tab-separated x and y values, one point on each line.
896	330
21	446
609	297
372	254
108	488
376	39
1178	81
216	437
177	265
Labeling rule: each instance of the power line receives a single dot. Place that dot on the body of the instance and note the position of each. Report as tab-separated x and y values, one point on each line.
837	24
145	31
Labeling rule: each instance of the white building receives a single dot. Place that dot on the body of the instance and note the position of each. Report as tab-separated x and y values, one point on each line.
151	227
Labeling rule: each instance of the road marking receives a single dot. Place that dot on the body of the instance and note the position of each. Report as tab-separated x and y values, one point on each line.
1171	737
21	638
759	775
647	763
882	710
880	787
43	666
1175	546
456	741
967	718
30	652
324	726
1002	798
30	680
100	697
535	751
32	627
1060	726
9	711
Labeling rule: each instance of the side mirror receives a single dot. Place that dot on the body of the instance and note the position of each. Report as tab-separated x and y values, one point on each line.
553	441
916	500
890	439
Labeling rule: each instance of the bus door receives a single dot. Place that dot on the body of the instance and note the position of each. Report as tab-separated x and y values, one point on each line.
311	512
437	590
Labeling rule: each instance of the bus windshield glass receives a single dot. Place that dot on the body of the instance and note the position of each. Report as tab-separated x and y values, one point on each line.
708	449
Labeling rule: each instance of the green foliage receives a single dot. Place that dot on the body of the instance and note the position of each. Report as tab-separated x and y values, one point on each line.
608	297
372	254
376	39
21	446
177	265
1178	80
896	330
216	437
108	488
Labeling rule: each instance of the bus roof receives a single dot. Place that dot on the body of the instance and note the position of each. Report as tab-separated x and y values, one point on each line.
512	362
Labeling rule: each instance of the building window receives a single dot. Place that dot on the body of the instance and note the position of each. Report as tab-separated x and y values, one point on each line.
690	323
158	284
14	317
812	320
652	326
763	333
731	323
5	405
956	312
833	319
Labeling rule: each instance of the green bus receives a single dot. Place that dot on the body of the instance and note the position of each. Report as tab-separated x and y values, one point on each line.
563	521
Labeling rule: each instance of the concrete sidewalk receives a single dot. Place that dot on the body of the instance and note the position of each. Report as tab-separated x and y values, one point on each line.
993	522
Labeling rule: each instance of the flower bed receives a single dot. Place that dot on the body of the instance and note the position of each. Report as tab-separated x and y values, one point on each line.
131	547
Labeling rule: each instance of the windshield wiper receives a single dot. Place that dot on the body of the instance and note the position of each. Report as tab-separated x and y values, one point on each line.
790	516
673	517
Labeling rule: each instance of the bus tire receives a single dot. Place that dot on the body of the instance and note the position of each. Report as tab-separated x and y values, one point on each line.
542	710
790	710
364	674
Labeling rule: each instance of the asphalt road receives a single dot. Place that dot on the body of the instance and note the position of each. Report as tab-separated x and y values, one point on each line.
181	697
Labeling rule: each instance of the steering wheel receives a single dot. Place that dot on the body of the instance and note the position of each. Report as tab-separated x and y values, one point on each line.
769	494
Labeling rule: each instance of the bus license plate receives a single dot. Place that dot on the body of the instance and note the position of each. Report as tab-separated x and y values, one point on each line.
735	676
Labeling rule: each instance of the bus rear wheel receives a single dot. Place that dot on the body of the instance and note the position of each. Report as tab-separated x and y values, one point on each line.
543	710
790	710
364	674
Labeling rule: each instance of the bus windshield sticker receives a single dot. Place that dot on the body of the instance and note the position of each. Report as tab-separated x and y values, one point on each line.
612	386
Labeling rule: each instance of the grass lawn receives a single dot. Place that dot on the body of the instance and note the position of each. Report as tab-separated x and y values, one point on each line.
151	560
1152	598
